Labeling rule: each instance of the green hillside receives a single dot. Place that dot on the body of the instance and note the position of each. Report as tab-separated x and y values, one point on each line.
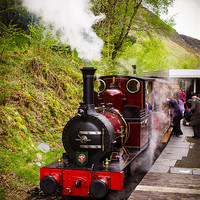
41	88
40	91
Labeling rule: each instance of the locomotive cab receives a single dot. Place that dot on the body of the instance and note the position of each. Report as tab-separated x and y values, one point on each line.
129	95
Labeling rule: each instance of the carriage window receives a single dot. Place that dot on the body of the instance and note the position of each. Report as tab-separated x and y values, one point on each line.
99	85
133	86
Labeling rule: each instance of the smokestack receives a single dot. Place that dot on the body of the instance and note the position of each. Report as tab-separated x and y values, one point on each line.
134	70
88	88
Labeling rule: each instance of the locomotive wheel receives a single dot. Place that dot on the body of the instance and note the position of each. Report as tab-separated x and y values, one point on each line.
98	189
48	184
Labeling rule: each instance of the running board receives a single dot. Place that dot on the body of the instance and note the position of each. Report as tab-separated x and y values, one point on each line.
167	135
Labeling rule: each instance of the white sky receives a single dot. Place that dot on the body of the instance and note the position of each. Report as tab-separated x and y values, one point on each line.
187	17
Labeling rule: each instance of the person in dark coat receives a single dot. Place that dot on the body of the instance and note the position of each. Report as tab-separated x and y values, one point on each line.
176	115
187	113
195	119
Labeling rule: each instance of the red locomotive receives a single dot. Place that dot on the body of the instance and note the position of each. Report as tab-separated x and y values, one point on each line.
112	127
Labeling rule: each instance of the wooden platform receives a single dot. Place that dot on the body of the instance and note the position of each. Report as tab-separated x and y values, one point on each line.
159	186
167	135
175	174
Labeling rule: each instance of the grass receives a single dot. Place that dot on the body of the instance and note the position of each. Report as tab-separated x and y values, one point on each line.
37	98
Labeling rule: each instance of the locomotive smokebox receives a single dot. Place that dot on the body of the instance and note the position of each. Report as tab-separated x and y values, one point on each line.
88	137
88	90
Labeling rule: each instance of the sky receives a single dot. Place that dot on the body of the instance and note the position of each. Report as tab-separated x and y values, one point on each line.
187	17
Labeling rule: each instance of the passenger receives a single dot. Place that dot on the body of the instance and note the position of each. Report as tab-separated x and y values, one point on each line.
181	105
188	104
182	99
188	93
195	119
187	113
176	115
182	95
149	107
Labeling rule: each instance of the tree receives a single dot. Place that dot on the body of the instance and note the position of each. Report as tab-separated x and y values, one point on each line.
121	18
13	13
150	54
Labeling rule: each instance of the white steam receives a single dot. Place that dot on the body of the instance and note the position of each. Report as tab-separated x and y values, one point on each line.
160	122
146	159
74	19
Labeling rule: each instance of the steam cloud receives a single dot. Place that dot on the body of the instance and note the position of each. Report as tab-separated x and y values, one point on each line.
74	19
160	123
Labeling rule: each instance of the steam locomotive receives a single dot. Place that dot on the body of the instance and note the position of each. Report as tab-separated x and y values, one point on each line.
113	126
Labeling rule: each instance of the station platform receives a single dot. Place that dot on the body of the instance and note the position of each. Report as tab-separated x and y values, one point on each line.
175	174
